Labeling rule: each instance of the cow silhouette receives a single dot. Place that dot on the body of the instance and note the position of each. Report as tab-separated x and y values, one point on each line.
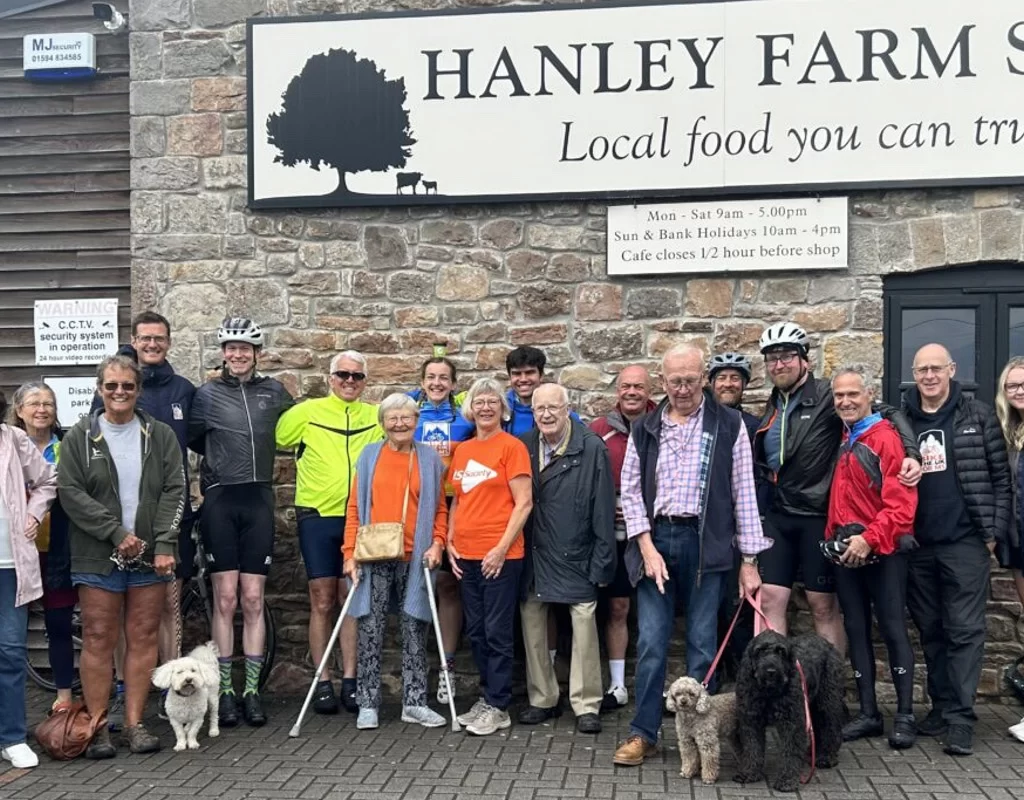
428	185
407	179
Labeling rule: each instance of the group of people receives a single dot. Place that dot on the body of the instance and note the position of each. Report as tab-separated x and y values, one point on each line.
514	505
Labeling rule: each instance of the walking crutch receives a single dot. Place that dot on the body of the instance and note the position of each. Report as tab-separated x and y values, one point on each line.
323	663
440	649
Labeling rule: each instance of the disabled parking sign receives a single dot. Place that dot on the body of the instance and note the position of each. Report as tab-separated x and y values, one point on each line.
75	331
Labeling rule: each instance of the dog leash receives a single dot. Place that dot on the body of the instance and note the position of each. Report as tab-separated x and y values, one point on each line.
755	603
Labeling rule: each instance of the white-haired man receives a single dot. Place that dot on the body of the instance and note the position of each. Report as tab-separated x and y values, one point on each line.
688	498
570	552
328	435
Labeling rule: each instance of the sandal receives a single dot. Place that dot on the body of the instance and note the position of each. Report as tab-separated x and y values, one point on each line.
60	705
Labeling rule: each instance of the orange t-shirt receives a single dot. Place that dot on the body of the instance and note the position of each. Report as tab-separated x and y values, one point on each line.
480	474
386	497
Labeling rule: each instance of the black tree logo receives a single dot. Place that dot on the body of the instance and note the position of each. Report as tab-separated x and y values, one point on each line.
341	111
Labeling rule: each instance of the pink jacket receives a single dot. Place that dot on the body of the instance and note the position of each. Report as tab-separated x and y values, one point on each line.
21	466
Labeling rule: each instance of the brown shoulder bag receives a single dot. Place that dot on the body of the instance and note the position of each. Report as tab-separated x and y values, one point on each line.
66	733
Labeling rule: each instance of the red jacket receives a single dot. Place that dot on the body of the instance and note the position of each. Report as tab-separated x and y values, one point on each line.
614	432
865	488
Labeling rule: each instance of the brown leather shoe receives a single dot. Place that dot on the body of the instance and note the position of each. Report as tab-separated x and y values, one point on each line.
633	751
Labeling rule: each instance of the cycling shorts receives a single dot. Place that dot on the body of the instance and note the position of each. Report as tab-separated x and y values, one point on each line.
320	542
237	526
186	566
796	553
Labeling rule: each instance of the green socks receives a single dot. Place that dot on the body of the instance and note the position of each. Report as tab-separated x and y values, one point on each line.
225	676
253	666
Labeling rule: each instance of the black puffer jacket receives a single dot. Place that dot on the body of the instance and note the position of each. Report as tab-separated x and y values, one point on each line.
982	468
813	436
231	424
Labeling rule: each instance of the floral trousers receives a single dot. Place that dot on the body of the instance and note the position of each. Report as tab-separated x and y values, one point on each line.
387	578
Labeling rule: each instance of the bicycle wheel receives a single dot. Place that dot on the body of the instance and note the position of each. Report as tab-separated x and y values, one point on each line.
38	657
196	624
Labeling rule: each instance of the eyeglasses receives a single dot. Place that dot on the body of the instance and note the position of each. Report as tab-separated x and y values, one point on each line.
679	384
1011	388
40	404
540	411
403	419
344	375
780	358
152	339
932	369
486	402
113	386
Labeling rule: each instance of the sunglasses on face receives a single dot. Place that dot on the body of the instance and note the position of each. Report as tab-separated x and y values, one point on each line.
344	375
113	386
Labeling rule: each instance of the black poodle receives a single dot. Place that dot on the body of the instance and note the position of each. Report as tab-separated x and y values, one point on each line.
768	692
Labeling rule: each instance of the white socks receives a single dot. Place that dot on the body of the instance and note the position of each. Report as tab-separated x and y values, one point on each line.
617	671
554	655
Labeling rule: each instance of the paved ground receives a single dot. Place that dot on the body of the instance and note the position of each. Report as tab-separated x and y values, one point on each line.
404	762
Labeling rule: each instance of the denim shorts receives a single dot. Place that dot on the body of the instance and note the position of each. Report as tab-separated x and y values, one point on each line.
118	581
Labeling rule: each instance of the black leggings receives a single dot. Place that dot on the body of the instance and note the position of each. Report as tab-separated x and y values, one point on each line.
60	646
883	585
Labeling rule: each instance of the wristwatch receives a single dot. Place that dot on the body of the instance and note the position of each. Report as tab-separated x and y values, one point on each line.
751	560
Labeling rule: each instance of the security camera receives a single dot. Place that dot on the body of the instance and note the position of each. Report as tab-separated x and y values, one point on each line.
112	19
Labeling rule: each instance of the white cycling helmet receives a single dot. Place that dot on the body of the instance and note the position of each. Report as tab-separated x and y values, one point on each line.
735	361
783	334
240	329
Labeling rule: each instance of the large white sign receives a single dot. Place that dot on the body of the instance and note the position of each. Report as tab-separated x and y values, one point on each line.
74	397
634	100
671	238
75	331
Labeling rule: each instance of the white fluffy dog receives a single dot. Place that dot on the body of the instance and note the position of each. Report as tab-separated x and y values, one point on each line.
193	684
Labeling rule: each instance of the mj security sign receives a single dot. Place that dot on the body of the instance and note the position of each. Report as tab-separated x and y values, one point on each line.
634	100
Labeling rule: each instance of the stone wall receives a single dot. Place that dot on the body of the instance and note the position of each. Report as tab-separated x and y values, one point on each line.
483	279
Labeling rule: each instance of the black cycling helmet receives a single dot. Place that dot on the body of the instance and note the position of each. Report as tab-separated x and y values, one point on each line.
735	361
834	548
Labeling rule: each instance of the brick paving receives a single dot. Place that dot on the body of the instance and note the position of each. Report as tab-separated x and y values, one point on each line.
333	761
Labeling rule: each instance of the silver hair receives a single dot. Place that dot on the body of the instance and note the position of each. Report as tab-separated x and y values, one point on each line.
396	402
352	355
120	362
485	386
21	394
860	370
683	350
563	393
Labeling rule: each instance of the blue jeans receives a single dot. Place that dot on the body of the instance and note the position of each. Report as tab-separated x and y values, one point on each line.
489	605
679	544
13	637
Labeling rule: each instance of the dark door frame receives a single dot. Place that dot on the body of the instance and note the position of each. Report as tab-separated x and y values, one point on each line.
991	289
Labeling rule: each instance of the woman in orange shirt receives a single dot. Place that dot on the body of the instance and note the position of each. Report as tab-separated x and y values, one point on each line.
383	473
493	497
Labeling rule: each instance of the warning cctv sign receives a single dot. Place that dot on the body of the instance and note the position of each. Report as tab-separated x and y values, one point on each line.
75	331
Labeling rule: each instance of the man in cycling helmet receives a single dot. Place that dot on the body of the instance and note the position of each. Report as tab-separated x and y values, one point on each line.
728	376
231	425
795	452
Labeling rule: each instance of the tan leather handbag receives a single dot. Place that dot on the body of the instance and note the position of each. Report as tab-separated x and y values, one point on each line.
66	733
384	541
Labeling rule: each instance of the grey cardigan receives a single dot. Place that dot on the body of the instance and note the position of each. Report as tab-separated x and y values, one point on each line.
431	472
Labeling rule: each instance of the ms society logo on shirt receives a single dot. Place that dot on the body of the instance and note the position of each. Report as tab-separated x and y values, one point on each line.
932	445
473	475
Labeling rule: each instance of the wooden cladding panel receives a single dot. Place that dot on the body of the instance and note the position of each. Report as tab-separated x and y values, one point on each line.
64	186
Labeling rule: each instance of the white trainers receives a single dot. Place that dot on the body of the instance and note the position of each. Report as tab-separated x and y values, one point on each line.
422	715
491	719
21	756
1017	731
473	714
367	719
